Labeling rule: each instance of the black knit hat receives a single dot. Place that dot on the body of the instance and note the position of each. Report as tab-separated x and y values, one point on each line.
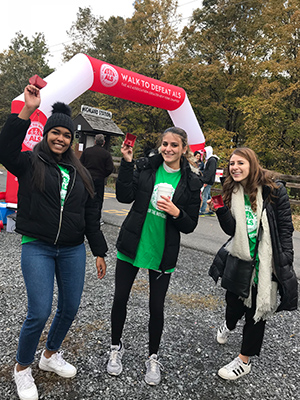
61	116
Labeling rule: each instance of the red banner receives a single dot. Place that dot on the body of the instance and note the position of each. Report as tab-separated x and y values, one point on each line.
83	73
119	82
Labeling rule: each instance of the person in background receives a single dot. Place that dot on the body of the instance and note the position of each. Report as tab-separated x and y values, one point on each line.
150	236
98	161
208	178
56	209
199	160
252	197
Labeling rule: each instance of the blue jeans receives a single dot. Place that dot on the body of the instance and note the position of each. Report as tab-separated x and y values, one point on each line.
40	263
205	197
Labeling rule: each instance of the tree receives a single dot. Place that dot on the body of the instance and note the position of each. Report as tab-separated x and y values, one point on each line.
272	112
111	41
241	63
82	34
153	37
216	51
23	59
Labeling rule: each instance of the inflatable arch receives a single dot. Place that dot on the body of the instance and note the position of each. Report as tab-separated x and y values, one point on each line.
84	73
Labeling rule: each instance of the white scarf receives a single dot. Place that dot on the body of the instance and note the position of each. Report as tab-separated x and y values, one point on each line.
239	247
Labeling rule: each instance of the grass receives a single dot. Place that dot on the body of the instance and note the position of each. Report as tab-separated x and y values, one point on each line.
296	222
194	300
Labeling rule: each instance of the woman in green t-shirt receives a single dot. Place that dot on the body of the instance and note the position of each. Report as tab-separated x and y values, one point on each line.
150	235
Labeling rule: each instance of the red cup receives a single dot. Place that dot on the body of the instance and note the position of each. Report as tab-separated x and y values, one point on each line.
38	82
217	201
1	225
129	139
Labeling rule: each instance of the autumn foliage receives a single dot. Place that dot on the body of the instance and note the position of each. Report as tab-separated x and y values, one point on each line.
239	62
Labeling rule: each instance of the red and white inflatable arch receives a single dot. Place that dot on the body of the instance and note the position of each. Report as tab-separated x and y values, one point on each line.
84	73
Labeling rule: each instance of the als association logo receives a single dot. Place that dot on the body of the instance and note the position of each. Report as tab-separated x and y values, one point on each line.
34	134
108	75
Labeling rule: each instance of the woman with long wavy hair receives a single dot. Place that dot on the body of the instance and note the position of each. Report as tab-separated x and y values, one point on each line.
252	198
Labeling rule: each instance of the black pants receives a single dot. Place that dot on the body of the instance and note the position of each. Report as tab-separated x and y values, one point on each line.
253	333
124	278
99	189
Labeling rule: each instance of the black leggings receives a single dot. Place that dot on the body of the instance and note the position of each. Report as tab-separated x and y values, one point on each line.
253	333
124	278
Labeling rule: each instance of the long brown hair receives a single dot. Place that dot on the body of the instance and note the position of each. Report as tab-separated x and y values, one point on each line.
257	177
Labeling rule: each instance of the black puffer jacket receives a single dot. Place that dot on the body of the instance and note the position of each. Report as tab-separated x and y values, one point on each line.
39	213
209	172
138	186
281	230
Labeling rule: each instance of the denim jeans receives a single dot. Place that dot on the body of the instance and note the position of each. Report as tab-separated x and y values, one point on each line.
205	197
40	263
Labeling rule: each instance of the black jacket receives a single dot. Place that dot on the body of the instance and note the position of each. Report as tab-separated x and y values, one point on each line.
209	172
281	230
39	213
98	161
138	186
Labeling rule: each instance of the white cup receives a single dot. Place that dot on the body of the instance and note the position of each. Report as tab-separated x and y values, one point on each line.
164	189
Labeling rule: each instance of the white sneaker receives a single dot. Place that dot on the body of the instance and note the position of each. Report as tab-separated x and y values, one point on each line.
223	334
57	364
153	366
25	384
114	365
235	369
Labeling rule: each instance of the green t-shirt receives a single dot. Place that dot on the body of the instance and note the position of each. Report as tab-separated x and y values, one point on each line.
64	185
63	192
152	242
251	218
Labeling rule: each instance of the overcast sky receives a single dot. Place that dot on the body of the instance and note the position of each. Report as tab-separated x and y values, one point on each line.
55	17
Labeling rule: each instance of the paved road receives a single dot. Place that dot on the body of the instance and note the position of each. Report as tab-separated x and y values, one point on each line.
207	237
